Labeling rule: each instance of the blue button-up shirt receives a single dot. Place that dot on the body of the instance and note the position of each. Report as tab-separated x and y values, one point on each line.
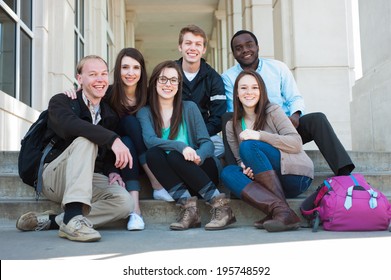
280	85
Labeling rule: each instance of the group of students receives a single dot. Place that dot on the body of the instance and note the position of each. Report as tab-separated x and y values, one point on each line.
170	128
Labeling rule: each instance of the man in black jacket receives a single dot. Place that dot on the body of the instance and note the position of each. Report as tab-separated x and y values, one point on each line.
201	83
82	169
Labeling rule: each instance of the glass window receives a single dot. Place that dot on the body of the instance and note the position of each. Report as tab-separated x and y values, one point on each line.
7	53
26	12
79	31
16	49
25	68
11	4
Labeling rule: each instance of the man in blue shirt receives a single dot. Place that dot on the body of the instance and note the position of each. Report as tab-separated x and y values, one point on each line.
282	90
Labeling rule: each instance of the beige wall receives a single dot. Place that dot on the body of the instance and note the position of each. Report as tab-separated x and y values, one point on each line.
314	38
370	107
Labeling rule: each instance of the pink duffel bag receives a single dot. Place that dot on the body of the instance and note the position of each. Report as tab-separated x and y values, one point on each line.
347	203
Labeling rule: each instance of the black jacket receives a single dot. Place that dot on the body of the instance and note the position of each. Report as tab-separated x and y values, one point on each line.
207	91
68	125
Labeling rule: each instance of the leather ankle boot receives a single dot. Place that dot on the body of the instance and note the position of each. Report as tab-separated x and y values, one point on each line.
189	216
282	217
222	214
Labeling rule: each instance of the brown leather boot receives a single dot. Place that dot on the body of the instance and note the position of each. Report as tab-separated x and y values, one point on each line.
189	216
283	218
269	179
259	224
222	214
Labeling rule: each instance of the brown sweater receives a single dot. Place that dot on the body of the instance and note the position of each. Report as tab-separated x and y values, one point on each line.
281	134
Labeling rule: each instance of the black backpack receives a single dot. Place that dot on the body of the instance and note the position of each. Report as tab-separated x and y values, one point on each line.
35	146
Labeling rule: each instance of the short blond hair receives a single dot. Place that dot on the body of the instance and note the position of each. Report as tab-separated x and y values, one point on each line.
80	65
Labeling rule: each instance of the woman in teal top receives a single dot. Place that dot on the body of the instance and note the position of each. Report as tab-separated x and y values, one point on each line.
180	152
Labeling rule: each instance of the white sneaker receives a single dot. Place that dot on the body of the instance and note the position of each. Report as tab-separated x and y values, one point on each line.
59	218
136	222
162	194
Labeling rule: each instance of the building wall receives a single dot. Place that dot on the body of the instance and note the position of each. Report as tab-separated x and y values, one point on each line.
312	37
370	108
54	56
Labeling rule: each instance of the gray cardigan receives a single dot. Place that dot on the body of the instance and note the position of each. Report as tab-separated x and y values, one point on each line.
197	133
281	134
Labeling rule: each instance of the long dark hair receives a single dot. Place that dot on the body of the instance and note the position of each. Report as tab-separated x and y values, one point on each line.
118	96
260	109
176	118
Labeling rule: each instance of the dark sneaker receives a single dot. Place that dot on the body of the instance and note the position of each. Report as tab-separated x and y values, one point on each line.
34	221
79	228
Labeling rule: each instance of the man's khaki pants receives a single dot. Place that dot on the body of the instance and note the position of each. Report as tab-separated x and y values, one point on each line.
71	178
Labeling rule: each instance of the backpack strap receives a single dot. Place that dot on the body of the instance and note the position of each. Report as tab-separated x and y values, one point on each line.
354	180
373	199
48	148
349	198
310	206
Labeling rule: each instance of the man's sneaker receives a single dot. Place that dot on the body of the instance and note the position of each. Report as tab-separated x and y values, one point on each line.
34	221
59	218
79	228
162	194
135	222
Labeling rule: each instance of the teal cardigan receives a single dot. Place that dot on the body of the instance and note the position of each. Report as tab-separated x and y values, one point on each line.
197	133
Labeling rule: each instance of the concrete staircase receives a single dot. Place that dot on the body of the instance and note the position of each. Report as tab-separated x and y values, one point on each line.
17	198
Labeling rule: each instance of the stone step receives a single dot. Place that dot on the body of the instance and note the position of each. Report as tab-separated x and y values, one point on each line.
18	198
364	161
11	186
153	211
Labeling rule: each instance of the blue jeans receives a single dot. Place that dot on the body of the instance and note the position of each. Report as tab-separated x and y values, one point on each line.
261	157
131	135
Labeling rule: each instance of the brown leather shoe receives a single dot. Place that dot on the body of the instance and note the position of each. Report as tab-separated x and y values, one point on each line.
222	214
189	216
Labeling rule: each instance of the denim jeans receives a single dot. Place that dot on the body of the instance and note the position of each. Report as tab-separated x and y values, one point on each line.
261	157
131	136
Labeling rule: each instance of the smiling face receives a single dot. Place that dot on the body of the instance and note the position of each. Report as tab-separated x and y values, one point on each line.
192	47
168	90
94	79
245	51
248	92
130	71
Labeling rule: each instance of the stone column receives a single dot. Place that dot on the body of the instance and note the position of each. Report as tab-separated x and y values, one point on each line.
314	38
370	107
130	39
258	18
222	47
234	23
60	54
